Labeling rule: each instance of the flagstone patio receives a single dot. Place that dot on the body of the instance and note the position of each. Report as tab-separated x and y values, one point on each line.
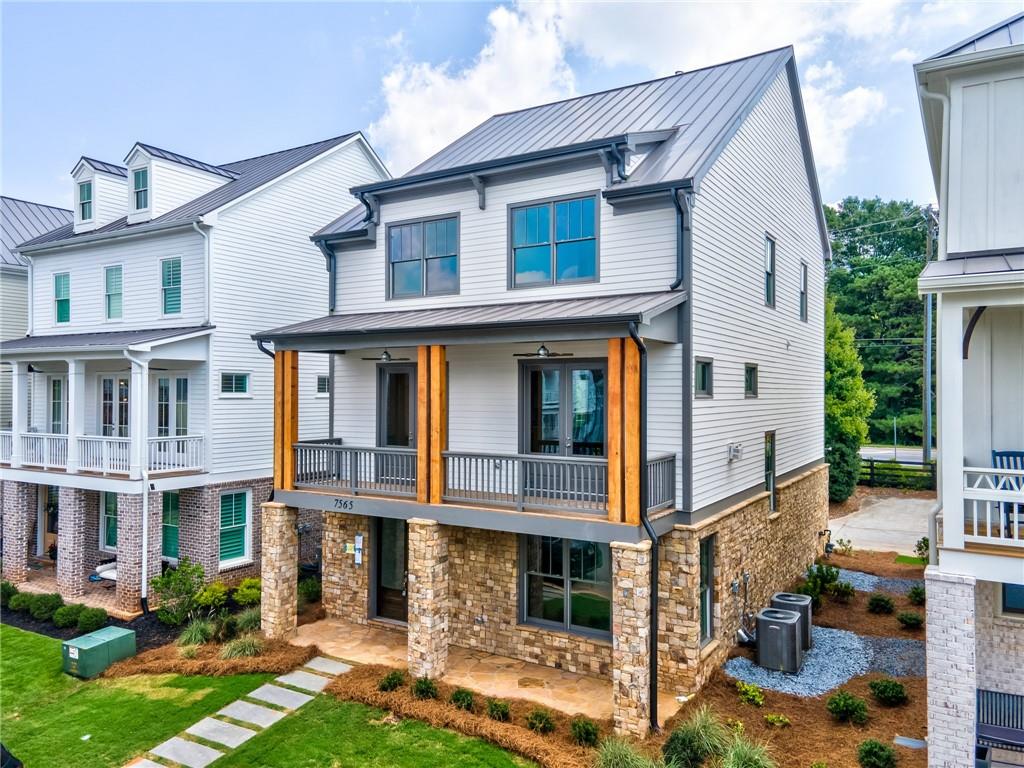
42	579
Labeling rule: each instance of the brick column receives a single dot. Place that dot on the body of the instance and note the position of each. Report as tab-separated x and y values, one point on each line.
199	529
346	584
279	570
71	544
631	625
21	503
428	598
129	546
952	672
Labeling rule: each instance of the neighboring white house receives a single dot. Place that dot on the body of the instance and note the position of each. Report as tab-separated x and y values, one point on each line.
972	103
138	386
579	326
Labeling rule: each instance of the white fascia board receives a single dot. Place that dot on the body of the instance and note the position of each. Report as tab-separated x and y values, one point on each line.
964	283
148	346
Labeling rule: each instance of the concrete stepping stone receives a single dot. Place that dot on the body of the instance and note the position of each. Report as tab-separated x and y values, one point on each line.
143	762
328	666
247	712
307	681
228	734
281	697
188	753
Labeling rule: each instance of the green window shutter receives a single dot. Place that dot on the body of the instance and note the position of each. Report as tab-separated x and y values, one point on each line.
62	296
171	283
232	526
114	292
171	522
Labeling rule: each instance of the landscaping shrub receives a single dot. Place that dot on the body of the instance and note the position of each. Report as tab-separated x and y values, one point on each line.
225	627
584	731
540	721
845	546
909	619
699	738
777	720
213	596
20	602
498	710
7	591
43	606
249	620
819	764
845	707
424	688
242	647
874	754
880	604
921	549
917	595
67	615
618	753
248	592
392	681
463	699
841	592
746	754
198	631
175	591
91	619
734	726
888	692
823	574
813	592
310	589
750	693
188	651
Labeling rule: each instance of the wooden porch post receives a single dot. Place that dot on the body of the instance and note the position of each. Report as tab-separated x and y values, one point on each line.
631	438
423	424
278	419
286	416
438	421
614	430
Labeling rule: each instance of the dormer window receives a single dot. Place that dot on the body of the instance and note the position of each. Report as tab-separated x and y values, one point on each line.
140	188
85	201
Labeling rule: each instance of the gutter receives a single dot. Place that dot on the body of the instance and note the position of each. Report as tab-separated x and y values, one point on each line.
933	534
943	166
144	468
119	234
332	273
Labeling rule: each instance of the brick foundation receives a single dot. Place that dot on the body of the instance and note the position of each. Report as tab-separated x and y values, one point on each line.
129	546
279	571
20	507
346	586
631	633
428	598
72	567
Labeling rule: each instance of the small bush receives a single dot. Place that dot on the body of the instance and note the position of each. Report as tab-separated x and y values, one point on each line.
198	631
917	595
242	647
248	592
775	720
823	574
175	591
735	726
188	651
819	764
880	604
922	548
91	619
696	740
540	721
498	710
249	619
463	699
67	615
841	592
845	707
888	692
20	602
43	606
746	754
909	619
225	627
618	753
7	591
310	589
213	596
874	754
392	681
584	731
424	688
750	693
845	546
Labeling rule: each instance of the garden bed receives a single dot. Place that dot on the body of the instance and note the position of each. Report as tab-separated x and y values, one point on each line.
881	564
278	657
855	617
149	631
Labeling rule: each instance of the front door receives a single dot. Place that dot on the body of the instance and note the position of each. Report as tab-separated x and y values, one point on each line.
114	411
390	556
46	523
396	427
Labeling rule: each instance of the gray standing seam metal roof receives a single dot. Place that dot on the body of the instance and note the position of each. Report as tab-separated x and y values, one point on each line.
101	340
974	265
174	157
101	165
593	309
1005	33
251	173
21	220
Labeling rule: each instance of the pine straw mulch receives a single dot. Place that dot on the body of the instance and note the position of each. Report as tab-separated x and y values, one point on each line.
278	657
876	563
555	750
855	617
813	735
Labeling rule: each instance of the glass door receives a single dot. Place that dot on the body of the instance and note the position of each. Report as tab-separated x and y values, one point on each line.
396	425
114	412
390	554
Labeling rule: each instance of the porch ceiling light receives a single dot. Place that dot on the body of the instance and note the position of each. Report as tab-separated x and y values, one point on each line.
385	357
542	352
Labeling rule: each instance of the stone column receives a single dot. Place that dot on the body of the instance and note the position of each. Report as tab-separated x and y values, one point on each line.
21	502
129	546
952	671
428	598
346	584
279	570
631	627
71	544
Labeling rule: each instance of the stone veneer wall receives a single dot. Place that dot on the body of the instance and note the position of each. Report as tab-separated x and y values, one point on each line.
774	549
1000	642
429	606
279	571
346	586
631	638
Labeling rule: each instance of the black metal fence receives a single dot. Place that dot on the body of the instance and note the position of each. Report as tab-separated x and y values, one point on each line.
911	475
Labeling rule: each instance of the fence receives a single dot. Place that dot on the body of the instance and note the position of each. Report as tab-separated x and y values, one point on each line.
911	475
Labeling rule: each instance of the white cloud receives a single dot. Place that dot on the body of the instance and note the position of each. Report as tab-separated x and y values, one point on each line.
905	56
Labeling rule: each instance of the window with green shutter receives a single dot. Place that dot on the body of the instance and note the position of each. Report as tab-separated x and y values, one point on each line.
171	518
234	509
170	281
114	289
108	521
62	296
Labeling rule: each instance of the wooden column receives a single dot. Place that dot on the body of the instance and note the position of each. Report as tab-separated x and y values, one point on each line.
423	424
278	419
614	430
286	413
631	428
438	421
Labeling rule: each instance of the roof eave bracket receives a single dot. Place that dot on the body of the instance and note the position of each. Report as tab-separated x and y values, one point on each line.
372	205
481	190
614	160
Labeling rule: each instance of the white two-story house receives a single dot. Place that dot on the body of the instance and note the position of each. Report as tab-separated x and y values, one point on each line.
142	414
577	401
972	104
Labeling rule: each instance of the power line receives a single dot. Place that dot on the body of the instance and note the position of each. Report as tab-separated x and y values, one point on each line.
876	223
881	234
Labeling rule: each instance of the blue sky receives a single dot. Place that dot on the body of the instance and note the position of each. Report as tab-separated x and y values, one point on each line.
220	82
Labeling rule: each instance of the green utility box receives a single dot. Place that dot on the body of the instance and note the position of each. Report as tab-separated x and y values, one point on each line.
87	656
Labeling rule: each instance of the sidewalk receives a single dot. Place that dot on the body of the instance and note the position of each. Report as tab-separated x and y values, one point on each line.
885	524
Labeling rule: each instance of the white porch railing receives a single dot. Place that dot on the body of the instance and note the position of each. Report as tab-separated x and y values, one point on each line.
185	453
45	450
6	446
994	506
109	455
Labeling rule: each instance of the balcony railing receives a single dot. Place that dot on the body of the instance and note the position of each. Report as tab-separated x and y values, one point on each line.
994	506
184	453
48	451
371	471
6	446
109	455
105	454
661	482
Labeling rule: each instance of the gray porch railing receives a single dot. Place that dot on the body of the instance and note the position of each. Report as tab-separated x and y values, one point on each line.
373	471
661	482
1000	720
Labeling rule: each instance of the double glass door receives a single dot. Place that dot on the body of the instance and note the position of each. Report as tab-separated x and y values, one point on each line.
114	411
566	409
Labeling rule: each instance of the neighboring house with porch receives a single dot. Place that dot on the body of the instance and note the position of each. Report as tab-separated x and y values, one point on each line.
972	104
579	328
142	414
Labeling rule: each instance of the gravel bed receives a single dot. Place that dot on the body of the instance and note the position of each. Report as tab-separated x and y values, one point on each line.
896	656
862	582
898	586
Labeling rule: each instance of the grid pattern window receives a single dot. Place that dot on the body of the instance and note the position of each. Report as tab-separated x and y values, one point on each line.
62	297
166	419
803	291
554	242
423	258
323	385
85	201
566	583
181	406
750	380
114	392
769	469
170	286
703	377
234	526
171	523
234	383
108	521
113	282
1013	599
707	590
57	425
140	188
769	271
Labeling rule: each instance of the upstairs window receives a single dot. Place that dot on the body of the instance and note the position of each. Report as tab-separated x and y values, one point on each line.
62	297
703	378
140	188
803	291
423	258
170	286
85	201
750	380
769	271
554	242
234	383
113	290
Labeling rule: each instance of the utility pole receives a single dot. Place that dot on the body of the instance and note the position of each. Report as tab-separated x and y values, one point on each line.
926	444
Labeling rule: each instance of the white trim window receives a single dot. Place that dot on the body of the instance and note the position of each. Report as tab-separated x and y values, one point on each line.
171	420
170	286
769	271
58	406
803	291
113	292
140	188
323	386
85	201
234	384
108	521
62	297
235	539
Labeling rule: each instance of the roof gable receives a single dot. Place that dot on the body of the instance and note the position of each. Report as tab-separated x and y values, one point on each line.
99	165
1005	33
21	220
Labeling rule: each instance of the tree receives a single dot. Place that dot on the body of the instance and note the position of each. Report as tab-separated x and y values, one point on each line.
848	403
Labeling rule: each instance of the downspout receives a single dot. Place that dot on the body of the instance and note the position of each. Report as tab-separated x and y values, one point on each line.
645	520
263	348
144	467
933	534
943	99
332	294
31	297
684	242
207	268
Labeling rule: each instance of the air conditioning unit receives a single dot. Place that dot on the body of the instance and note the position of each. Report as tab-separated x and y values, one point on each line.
735	451
778	640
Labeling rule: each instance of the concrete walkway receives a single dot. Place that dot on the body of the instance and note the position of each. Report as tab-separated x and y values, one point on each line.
885	524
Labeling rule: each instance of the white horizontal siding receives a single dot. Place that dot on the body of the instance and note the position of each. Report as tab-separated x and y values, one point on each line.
172	185
109	198
13	323
758	184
